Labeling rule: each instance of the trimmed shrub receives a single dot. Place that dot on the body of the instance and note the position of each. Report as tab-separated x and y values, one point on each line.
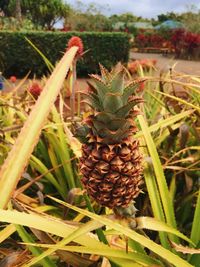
18	57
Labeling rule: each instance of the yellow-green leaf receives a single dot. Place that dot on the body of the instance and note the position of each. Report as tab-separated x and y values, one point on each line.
19	155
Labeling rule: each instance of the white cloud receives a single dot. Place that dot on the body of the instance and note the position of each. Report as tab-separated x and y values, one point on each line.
144	8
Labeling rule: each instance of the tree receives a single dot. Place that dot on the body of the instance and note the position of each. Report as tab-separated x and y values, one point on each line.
168	16
4	7
191	19
126	18
87	18
18	10
45	13
12	8
41	12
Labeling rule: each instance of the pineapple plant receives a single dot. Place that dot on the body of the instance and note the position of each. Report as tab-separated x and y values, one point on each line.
111	164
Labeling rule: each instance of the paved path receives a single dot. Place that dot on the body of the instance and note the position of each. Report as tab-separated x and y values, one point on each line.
185	66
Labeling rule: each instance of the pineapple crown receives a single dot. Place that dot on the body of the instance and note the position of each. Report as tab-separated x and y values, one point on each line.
112	103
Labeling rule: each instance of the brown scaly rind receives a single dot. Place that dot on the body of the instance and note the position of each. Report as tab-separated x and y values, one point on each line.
112	173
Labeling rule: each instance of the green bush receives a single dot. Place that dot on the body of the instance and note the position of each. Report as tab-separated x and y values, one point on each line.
17	56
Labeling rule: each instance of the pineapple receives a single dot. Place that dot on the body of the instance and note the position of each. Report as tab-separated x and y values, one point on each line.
111	163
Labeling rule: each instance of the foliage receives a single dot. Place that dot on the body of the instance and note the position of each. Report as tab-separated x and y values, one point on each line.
186	44
87	18
126	18
149	39
41	13
191	19
4	7
168	16
83	17
55	232
17	56
11	23
46	14
91	17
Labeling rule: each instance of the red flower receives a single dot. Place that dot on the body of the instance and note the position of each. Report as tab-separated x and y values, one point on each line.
154	61
76	41
35	90
145	63
141	86
13	79
133	66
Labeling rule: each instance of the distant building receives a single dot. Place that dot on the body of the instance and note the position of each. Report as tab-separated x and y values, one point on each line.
143	25
138	25
170	24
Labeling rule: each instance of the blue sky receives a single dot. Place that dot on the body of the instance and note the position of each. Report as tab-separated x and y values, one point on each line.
144	8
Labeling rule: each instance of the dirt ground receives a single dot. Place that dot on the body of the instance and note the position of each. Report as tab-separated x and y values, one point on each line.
185	66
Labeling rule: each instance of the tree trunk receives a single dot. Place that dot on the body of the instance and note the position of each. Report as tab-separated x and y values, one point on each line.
18	11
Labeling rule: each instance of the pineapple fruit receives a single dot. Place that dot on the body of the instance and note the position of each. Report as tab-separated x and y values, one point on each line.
111	165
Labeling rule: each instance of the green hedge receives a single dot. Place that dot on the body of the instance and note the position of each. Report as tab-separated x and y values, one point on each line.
17	56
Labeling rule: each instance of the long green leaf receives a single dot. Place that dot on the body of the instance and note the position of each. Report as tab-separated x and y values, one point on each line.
58	172
26	237
156	225
159	250
166	122
62	150
154	195
47	224
40	167
181	101
6	232
107	252
92	225
195	233
161	181
53	226
47	62
18	157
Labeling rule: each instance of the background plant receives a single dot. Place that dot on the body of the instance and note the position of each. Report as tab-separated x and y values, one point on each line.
169	139
18	57
43	15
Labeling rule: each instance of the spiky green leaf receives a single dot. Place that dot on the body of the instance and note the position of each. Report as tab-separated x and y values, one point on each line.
98	125
112	125
93	101
128	91
100	86
125	110
117	82
104	73
81	132
112	102
105	117
118	123
112	137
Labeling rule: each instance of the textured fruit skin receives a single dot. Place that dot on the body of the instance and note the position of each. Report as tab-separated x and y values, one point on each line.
111	164
112	173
